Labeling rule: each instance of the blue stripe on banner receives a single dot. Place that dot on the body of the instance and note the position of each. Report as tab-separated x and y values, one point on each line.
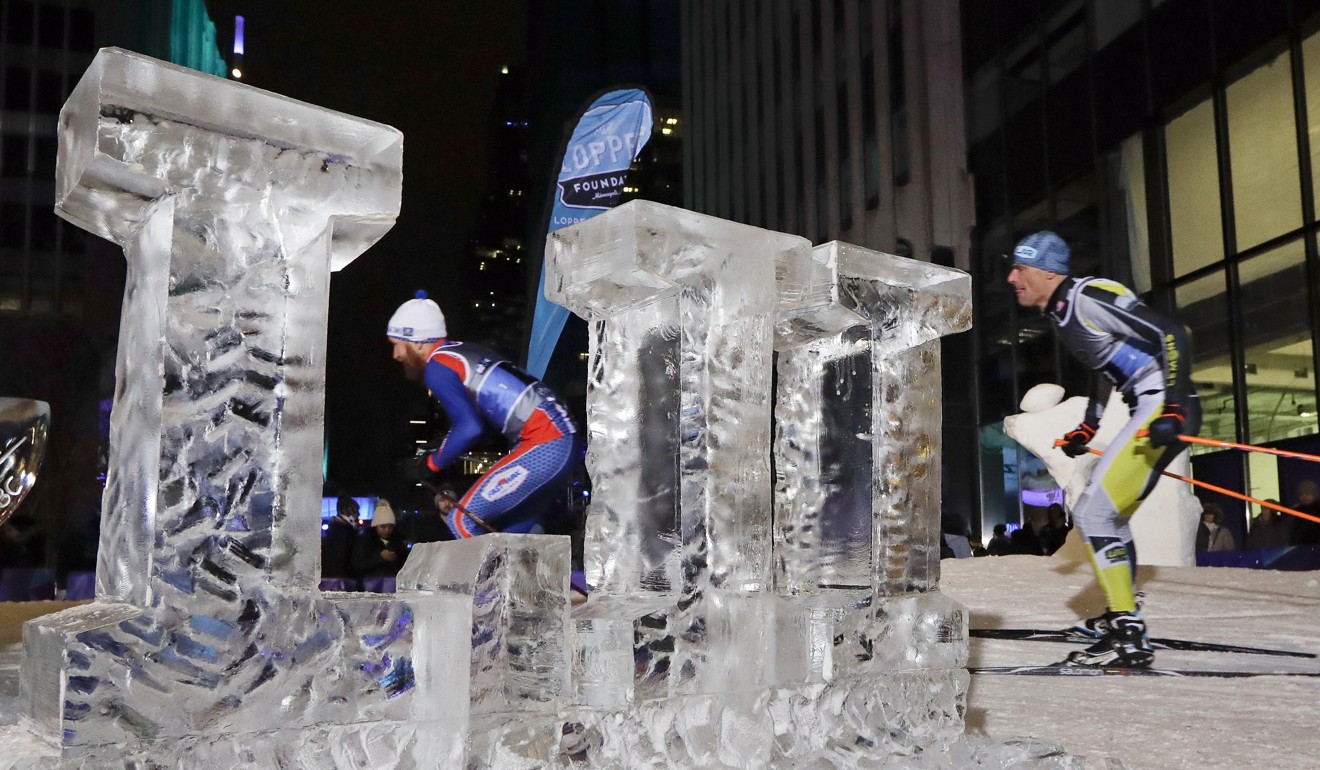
608	136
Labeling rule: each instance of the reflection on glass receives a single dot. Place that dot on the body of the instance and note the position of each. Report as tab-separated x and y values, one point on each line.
1203	308
1262	145
1311	66
1277	339
1127	175
1194	211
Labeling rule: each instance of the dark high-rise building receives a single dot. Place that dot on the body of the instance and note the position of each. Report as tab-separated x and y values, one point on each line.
1173	144
60	287
1169	141
576	51
496	243
838	120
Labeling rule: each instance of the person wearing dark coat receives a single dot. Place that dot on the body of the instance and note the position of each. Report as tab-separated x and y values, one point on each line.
337	543
381	551
1269	529
429	526
1055	532
1305	531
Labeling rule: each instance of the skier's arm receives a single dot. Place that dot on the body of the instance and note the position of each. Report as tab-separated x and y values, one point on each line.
1075	440
465	425
1097	399
1161	338
1175	351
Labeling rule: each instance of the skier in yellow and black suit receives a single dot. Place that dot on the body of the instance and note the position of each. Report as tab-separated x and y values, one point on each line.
1146	356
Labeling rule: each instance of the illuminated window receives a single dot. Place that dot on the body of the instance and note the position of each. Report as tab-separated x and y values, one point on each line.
1194	210
1203	307
1278	343
1262	138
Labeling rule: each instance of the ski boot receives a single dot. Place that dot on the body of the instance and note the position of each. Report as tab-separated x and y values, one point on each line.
1124	645
1096	627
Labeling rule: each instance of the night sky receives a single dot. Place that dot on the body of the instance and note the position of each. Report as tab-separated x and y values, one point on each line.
429	69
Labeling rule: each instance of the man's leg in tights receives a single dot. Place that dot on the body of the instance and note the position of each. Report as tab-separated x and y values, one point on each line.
514	494
1120	481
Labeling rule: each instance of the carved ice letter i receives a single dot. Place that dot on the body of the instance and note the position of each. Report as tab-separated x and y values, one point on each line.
233	206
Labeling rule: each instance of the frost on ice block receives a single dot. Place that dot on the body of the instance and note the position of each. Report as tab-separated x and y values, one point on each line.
233	206
682	307
858	442
674	661
858	452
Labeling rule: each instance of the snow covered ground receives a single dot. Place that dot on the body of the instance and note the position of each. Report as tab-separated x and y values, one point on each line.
1150	722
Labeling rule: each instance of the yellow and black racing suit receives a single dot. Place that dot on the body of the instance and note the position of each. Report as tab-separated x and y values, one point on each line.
1147	357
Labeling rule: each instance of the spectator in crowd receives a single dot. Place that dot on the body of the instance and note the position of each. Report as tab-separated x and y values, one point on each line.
1270	529
430	524
999	544
382	551
1212	535
1024	541
1304	531
954	538
1056	529
338	540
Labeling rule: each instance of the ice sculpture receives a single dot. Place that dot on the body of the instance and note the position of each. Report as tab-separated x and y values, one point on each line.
24	426
722	633
711	641
1164	527
233	206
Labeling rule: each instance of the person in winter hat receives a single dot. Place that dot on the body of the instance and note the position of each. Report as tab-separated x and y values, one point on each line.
477	387
1148	358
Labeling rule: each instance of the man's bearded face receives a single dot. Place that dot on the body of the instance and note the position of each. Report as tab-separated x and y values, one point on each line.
411	356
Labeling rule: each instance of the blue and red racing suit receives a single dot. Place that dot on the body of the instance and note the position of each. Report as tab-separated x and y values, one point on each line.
479	389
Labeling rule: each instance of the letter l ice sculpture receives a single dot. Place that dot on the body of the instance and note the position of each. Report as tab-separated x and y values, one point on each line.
233	206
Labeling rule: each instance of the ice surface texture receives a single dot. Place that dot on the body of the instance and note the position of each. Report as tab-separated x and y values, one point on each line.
233	205
719	635
752	634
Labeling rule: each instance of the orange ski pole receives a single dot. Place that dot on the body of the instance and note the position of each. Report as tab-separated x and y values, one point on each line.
1214	442
1221	490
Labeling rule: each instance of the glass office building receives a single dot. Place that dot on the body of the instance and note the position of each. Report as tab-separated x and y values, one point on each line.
1174	144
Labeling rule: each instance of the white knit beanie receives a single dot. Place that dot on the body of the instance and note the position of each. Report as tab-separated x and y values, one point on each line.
418	320
384	513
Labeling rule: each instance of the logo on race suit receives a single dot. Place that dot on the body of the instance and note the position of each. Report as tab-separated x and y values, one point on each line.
504	483
1025	252
597	191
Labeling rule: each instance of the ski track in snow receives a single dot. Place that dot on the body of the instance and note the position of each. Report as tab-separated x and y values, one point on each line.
1150	722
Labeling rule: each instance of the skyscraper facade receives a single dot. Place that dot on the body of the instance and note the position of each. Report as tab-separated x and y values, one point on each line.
1172	143
837	120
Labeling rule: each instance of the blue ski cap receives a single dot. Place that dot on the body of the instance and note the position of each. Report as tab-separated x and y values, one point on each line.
1044	250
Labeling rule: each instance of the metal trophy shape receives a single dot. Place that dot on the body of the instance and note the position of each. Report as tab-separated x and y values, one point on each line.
24	425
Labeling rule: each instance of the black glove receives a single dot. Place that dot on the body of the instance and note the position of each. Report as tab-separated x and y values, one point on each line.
424	473
1075	440
1165	429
